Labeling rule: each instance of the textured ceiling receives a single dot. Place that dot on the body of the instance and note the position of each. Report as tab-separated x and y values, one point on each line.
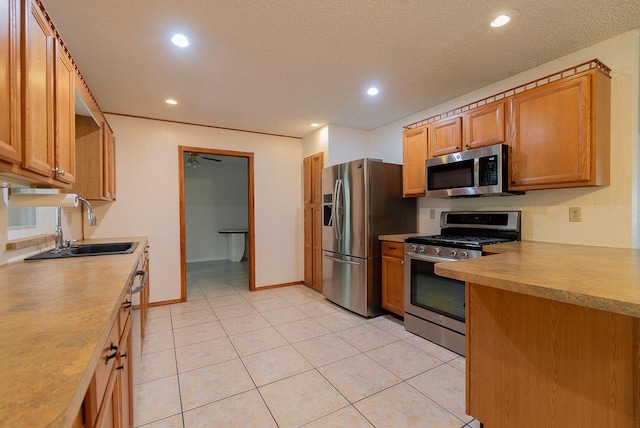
275	66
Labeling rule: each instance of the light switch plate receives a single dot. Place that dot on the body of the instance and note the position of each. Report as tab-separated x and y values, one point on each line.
432	214
575	214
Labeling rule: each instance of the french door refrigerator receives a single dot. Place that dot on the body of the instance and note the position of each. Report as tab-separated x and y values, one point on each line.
361	200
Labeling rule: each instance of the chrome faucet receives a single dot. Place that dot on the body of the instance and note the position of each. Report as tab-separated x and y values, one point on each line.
60	242
90	216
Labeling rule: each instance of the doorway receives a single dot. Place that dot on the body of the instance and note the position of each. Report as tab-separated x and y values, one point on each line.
187	156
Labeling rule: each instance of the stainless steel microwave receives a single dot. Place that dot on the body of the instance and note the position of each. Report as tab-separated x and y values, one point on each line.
476	172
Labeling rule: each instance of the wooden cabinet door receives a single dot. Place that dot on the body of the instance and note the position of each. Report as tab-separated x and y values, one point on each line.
312	177
550	135
10	133
445	136
108	416
317	162
317	248
393	277
65	136
125	381
414	154
38	103
306	179
109	167
308	245
484	125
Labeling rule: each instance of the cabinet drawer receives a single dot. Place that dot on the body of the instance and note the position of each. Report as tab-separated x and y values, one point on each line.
107	362
124	313
393	249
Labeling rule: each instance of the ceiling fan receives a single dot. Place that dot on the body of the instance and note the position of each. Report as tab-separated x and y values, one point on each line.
193	162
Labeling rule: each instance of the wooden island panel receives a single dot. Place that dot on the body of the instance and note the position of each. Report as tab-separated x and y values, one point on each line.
537	362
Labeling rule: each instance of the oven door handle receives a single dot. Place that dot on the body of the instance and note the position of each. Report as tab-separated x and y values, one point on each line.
346	262
433	259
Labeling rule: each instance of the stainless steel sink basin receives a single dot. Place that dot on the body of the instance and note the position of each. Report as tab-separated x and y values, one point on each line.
88	250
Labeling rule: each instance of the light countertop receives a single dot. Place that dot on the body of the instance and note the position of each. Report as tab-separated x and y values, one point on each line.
54	318
595	277
398	237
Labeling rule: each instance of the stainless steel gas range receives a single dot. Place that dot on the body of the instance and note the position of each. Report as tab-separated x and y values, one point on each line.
435	306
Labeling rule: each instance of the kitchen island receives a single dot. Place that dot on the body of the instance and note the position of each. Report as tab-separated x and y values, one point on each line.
55	316
552	335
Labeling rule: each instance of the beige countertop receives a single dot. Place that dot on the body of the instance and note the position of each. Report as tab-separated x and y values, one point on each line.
54	319
398	237
595	277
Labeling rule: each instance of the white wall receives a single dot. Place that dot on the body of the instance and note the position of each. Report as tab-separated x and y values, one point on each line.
610	214
216	197
316	142
147	191
346	144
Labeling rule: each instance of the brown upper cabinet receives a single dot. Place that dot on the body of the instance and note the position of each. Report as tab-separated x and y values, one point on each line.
484	126
559	133
10	132
38	102
557	129
48	78
95	151
478	127
414	153
445	136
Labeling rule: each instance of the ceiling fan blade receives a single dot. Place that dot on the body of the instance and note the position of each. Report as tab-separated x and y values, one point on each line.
211	159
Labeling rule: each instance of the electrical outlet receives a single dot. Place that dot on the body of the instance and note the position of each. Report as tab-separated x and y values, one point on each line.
432	214
575	214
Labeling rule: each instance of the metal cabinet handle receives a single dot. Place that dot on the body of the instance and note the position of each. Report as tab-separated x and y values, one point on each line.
139	288
126	305
393	248
112	356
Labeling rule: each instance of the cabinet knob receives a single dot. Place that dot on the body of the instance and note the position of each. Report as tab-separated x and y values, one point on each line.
467	146
457	147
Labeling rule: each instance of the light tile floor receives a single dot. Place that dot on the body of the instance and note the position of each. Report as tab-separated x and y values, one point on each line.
286	357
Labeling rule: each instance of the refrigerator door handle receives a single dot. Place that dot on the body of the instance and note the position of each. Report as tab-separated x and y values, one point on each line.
346	262
337	207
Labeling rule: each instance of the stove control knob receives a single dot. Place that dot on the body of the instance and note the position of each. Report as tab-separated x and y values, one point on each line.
414	247
454	253
464	254
437	251
422	248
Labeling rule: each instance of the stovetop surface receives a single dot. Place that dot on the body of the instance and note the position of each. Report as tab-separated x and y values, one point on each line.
456	241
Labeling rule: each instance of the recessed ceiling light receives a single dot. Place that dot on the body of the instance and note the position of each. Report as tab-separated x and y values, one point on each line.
170	101
180	40
500	21
504	18
315	125
373	91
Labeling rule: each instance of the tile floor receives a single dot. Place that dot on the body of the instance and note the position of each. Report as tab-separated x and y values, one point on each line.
286	357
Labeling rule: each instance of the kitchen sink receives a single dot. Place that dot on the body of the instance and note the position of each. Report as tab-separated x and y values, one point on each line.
88	250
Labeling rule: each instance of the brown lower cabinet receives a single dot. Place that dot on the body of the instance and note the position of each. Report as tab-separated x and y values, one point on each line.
393	277
109	399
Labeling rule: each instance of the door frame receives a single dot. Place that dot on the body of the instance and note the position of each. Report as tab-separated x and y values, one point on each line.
251	214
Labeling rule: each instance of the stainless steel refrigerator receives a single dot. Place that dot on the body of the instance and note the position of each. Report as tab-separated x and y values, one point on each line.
361	200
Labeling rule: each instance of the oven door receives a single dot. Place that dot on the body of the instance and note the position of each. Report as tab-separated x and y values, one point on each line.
434	306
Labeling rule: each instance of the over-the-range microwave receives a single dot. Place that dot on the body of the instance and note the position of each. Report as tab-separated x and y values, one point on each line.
477	172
